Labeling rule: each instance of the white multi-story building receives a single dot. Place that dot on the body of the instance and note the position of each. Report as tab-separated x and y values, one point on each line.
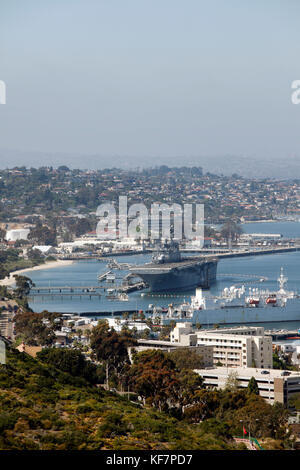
205	352
232	347
118	323
273	385
181	329
17	234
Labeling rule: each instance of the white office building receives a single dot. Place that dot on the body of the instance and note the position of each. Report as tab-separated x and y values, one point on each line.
17	234
232	347
273	385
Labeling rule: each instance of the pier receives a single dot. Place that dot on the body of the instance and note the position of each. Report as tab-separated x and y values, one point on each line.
283	334
66	289
102	277
226	253
79	291
203	252
66	294
257	252
115	313
103	256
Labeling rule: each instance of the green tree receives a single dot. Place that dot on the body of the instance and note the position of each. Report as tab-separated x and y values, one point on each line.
204	406
73	362
186	358
252	386
294	401
32	330
111	348
153	377
216	427
3	272
43	235
34	255
232	382
231	231
190	384
2	234
23	285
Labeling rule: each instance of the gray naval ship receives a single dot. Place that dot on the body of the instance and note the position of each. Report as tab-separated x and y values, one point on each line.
168	271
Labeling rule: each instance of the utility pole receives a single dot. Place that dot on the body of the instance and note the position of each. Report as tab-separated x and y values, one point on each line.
107	386
241	421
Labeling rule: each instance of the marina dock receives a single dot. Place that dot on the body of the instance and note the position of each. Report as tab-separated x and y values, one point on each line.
80	291
62	289
283	334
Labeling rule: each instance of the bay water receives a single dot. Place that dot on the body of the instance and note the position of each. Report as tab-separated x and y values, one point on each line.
246	271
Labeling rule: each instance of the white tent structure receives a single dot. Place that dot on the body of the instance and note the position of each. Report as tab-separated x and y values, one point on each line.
17	234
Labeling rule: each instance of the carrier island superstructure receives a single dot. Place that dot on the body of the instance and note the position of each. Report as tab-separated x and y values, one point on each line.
169	271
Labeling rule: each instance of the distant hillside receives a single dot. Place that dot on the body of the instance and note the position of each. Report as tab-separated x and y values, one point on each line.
253	167
43	408
243	165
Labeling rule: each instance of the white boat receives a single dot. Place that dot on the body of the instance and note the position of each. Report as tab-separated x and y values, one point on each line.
123	297
110	278
111	294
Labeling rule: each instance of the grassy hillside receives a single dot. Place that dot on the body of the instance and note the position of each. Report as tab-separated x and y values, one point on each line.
44	408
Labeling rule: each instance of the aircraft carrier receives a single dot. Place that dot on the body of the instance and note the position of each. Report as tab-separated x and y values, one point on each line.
168	271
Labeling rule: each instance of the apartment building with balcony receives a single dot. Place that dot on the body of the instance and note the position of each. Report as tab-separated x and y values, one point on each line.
232	347
273	385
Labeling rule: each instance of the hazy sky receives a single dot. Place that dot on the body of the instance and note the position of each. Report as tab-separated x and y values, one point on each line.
150	77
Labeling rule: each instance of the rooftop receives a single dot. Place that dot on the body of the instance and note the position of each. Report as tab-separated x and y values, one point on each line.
248	372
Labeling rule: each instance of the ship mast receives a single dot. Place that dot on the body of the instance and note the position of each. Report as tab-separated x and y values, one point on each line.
282	280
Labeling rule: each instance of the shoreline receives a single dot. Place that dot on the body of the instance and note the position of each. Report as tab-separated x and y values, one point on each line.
268	221
261	221
10	281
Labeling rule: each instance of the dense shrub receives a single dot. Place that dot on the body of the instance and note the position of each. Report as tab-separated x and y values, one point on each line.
113	425
7	421
71	361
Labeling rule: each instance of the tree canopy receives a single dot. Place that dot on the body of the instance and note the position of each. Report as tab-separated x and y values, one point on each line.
253	386
71	361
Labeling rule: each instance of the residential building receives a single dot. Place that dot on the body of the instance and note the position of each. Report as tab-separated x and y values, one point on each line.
206	352
232	347
274	385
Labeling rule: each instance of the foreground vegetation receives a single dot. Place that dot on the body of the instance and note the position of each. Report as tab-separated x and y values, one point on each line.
45	408
49	403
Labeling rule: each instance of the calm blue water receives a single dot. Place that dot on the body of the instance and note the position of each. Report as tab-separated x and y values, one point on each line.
230	271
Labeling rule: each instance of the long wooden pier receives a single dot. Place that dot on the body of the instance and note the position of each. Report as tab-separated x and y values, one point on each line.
66	291
62	289
91	291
